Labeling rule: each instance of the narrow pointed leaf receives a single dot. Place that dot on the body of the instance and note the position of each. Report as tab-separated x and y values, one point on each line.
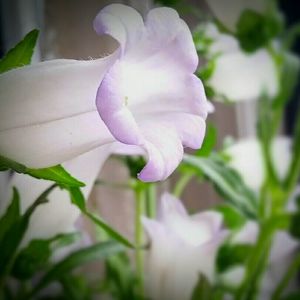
226	181
77	259
57	173
21	54
11	215
13	237
78	199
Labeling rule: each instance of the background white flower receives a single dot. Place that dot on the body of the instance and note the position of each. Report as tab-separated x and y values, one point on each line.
237	75
182	247
247	160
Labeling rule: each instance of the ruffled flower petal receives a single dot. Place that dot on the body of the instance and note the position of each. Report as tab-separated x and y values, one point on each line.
190	242
150	98
121	22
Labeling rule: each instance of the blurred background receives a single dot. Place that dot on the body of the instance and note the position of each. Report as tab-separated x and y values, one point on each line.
66	32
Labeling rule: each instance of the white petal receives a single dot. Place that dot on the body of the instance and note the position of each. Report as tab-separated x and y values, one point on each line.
242	77
48	113
246	159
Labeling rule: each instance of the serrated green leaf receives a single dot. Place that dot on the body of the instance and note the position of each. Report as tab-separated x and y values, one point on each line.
13	237
11	215
76	259
232	255
21	54
57	173
77	198
227	182
232	218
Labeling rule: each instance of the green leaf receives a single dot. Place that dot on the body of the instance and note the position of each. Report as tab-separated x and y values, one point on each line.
289	77
57	173
201	41
227	182
31	259
203	290
21	54
120	278
64	239
11	215
77	259
76	288
232	218
292	296
13	237
255	30
77	198
35	257
232	255
170	3
294	227
209	141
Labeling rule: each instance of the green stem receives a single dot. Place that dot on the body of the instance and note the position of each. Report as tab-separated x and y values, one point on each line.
291	272
256	264
140	198
151	200
181	184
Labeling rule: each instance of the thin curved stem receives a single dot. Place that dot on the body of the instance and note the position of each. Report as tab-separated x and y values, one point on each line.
140	200
181	184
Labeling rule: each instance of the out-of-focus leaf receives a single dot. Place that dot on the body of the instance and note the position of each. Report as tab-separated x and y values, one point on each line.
295	225
289	78
203	290
57	173
31	259
255	30
13	237
11	215
170	3
77	198
120	277
201	41
232	255
76	259
35	257
134	164
64	239
209	142
76	288
21	54
226	181
293	173
292	296
232	218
